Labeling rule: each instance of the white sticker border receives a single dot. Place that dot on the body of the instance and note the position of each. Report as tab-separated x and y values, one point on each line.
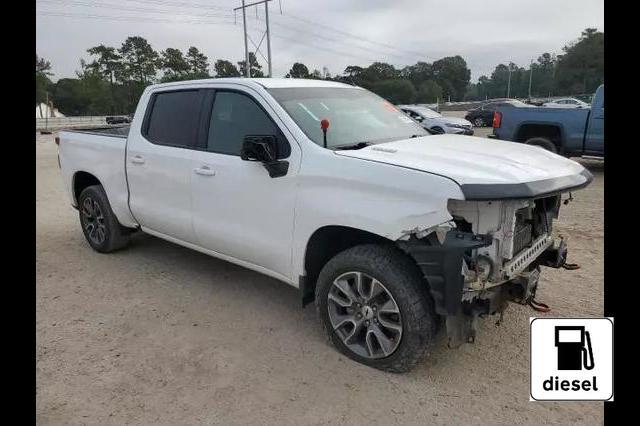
613	355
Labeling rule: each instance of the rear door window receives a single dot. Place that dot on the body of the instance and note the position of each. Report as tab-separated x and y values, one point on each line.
173	118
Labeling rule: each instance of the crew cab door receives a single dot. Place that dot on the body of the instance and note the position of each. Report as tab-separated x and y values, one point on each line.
238	209
594	138
160	163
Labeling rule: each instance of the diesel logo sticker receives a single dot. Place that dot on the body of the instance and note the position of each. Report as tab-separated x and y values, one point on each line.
571	359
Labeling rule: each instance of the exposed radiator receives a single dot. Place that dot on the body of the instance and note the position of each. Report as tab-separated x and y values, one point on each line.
522	237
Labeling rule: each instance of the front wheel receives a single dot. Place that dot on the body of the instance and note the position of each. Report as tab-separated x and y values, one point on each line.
478	122
375	308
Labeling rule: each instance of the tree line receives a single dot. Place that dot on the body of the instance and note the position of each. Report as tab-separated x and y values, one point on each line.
578	70
112	79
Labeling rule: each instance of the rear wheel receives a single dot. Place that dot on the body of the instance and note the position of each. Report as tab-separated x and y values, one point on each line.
375	308
543	143
437	130
99	224
478	122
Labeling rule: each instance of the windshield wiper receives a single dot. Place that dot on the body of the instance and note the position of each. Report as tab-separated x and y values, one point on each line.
358	145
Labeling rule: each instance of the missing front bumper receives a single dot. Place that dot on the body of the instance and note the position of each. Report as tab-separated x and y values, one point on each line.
441	267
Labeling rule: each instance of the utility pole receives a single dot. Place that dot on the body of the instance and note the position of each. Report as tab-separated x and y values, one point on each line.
266	17
46	110
509	83
247	64
530	77
247	38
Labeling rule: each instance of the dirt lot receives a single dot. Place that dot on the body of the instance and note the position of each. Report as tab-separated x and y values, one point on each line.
159	334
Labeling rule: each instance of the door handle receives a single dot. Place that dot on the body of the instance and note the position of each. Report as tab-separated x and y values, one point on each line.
137	159
204	171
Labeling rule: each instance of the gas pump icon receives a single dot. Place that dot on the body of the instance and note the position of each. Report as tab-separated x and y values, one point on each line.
572	353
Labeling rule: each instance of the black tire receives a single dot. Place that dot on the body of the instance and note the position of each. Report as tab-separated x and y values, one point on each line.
403	280
543	143
113	235
479	122
437	130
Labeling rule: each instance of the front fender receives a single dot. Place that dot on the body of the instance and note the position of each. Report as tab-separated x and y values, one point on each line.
386	200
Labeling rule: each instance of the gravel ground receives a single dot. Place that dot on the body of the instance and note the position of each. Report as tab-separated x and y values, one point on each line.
159	334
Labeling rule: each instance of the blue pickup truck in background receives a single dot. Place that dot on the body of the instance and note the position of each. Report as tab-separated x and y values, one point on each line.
572	132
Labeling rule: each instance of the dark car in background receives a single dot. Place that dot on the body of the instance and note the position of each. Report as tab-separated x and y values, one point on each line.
118	119
483	115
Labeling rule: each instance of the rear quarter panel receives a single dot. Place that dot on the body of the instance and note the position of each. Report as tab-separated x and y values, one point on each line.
104	158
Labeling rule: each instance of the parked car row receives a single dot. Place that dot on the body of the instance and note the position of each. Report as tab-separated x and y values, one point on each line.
566	103
436	123
483	115
119	119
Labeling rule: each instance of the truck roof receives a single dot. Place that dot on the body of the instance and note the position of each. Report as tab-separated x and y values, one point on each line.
269	83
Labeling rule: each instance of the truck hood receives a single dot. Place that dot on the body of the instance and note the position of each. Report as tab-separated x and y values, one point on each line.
483	168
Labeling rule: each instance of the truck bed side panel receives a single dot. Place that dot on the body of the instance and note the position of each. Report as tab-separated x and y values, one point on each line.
102	157
570	121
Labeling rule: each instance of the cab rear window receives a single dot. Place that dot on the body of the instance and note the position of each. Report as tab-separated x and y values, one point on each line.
173	118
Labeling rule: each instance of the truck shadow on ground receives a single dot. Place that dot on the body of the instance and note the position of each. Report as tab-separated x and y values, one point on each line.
278	303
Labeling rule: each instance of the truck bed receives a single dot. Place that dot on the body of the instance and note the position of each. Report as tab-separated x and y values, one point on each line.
571	123
116	131
102	153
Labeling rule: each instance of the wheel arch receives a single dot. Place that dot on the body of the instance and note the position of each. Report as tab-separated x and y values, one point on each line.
80	181
531	129
325	243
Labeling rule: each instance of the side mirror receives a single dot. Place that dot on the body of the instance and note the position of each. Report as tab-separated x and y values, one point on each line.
262	148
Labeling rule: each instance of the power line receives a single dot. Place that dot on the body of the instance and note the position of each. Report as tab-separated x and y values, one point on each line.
343	42
128	18
181	4
197	21
119	7
354	36
291	28
171	21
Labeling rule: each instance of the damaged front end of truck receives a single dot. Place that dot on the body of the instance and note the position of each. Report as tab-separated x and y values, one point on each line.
489	254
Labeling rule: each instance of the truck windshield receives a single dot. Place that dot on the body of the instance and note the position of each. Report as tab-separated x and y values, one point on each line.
355	115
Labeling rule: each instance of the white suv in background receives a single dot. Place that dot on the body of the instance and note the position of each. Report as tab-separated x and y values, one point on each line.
437	123
566	103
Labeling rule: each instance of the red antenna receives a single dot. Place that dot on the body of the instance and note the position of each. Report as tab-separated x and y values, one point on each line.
324	125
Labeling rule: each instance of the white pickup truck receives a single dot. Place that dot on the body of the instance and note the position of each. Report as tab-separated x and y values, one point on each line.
393	232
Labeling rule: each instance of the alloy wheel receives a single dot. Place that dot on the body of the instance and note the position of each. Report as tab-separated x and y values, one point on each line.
364	315
93	220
